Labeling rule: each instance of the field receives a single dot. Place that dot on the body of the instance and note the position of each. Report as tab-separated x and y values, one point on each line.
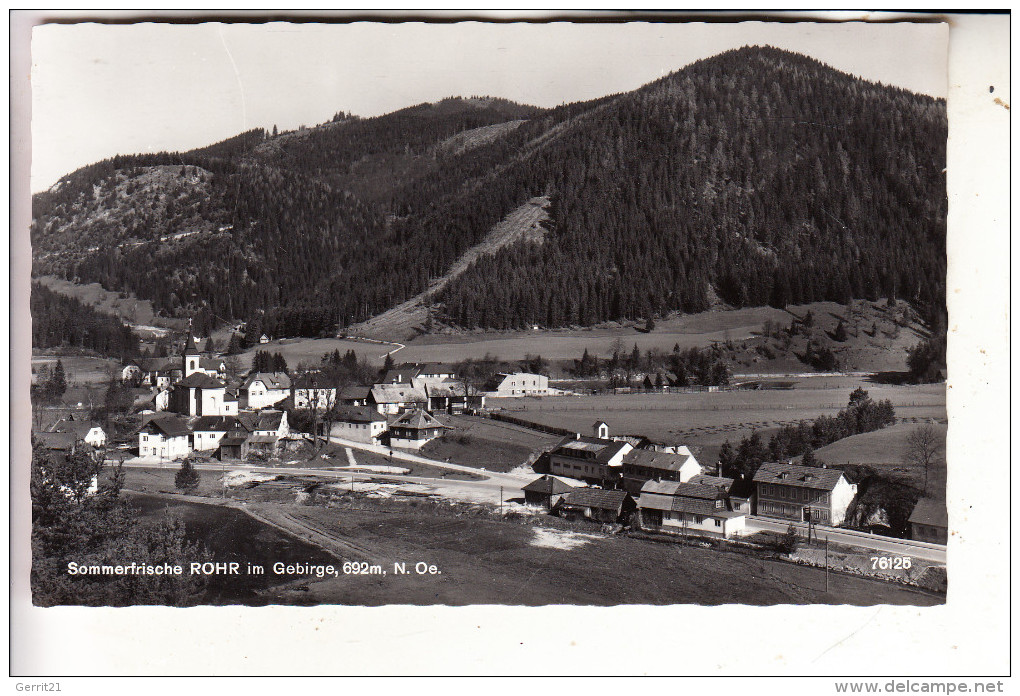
78	369
706	420
487	444
879	353
883	451
482	561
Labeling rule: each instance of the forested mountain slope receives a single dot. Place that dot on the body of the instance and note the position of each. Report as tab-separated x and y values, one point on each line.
758	176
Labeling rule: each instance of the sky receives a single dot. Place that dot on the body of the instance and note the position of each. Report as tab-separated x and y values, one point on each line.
101	89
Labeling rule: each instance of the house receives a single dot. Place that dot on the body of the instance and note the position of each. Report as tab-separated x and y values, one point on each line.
452	397
198	394
518	384
164	436
88	432
358	423
399	375
313	390
264	339
688	508
130	372
597	504
270	423
265	389
548	490
391	399
929	522
802	493
592	459
414	428
418	374
644	465
157	372
208	431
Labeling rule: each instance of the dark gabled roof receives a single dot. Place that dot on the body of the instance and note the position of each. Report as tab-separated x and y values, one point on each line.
158	364
708	480
596	498
312	380
268	420
399	375
796	475
663	461
171	426
233	440
211	363
690	490
56	441
542	485
202	380
78	428
930	512
419	420
356	391
358	414
217	424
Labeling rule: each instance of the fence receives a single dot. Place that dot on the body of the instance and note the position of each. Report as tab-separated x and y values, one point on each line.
552	430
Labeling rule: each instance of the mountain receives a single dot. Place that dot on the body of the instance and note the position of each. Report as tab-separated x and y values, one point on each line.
754	177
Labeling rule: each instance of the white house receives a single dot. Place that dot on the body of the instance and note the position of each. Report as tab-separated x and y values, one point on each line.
164	437
207	431
358	423
269	423
265	389
518	384
688	508
591	459
312	390
91	433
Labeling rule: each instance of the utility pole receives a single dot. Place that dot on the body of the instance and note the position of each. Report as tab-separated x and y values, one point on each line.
826	563
501	501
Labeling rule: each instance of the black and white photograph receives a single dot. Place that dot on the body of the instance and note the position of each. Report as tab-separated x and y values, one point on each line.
593	313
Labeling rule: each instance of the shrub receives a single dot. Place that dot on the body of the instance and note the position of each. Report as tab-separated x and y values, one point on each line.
187	478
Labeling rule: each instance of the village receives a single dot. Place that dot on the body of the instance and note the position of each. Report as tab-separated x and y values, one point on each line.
192	414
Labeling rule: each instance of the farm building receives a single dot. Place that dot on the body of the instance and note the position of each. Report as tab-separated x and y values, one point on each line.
596	504
802	493
266	389
358	423
92	433
414	428
233	446
356	395
269	422
518	384
391	399
57	442
164	436
688	508
452	397
591	459
738	503
646	465
548	490
929	522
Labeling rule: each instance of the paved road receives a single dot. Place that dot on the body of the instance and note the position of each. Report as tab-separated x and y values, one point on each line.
899	547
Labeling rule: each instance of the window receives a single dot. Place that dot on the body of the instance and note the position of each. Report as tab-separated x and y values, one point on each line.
698	519
718	523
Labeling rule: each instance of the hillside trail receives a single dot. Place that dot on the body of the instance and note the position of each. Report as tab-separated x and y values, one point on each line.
405	320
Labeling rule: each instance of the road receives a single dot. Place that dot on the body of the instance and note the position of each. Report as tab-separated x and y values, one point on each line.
491	490
899	547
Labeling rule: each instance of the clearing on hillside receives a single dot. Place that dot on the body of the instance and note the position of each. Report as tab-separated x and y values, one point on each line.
405	320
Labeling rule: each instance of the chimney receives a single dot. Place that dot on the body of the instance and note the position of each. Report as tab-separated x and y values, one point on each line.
718	469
